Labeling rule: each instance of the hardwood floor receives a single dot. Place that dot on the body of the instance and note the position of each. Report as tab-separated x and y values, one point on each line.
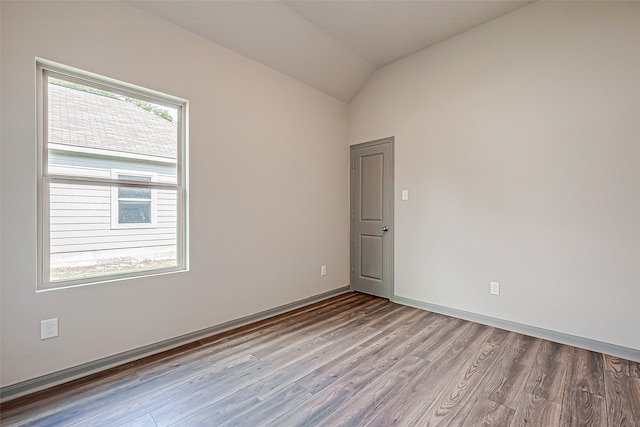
351	360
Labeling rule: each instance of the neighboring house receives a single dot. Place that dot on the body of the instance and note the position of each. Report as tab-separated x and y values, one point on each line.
95	224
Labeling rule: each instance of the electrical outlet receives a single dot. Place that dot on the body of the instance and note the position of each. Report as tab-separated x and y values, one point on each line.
48	328
323	270
495	288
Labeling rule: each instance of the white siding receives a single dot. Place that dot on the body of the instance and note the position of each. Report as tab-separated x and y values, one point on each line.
80	217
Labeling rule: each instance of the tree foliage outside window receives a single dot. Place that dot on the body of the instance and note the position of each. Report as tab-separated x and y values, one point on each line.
158	111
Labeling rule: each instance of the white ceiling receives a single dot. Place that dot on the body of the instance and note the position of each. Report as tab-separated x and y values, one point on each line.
333	46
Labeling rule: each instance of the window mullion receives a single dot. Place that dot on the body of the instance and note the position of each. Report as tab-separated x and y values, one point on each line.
79	180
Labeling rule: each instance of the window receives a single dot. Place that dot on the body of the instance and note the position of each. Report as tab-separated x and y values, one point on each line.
133	207
112	179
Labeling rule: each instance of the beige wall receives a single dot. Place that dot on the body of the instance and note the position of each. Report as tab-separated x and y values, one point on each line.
268	196
519	143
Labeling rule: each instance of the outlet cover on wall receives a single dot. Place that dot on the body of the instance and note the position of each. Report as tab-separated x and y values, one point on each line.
495	288
49	328
323	270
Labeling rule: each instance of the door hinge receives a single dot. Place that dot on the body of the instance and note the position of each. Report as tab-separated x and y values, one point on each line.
353	269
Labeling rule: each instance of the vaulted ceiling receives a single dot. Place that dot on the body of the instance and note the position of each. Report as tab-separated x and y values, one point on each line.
333	46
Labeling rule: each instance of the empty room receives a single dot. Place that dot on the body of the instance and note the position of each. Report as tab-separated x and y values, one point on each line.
320	213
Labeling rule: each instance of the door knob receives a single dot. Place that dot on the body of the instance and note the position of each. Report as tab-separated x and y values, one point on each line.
385	228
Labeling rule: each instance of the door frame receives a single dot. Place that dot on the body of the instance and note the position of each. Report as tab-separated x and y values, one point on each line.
391	220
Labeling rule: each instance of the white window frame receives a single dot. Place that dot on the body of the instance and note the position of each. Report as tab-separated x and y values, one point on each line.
115	202
45	68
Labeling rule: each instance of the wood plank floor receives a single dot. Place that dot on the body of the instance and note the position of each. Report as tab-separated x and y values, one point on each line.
352	360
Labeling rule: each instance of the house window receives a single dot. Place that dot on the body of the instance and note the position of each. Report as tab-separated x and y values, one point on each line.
112	186
133	207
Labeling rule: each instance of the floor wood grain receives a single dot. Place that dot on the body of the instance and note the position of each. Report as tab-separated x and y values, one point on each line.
547	377
623	399
352	360
486	413
586	371
509	380
581	408
535	411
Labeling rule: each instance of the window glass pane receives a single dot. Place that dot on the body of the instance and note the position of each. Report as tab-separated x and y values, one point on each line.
134	193
84	245
92	129
134	212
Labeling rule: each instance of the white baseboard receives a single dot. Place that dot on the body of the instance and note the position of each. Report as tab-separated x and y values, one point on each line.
559	337
23	388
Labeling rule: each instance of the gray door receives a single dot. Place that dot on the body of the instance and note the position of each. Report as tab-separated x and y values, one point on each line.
372	218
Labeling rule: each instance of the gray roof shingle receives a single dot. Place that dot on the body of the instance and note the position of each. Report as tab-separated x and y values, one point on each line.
85	119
